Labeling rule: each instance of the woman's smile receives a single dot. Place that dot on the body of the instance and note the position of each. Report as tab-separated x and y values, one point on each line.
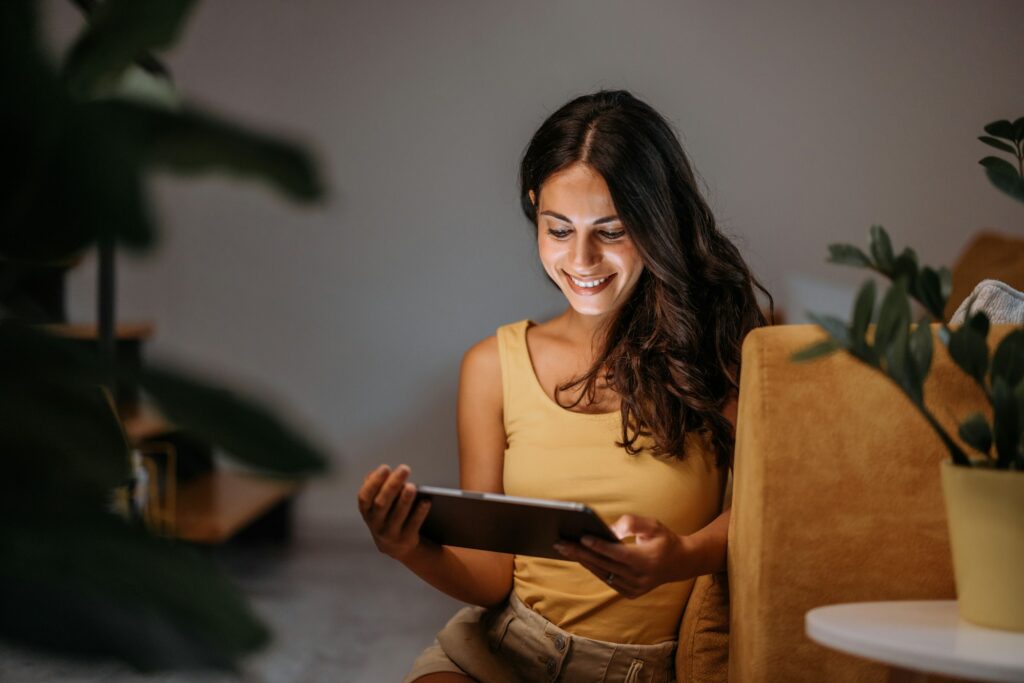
583	244
588	286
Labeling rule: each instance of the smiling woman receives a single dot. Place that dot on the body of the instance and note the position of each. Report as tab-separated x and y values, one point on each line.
625	402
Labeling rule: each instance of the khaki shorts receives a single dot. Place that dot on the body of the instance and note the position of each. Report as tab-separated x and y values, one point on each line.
513	643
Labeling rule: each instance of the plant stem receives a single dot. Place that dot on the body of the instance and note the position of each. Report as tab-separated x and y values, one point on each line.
959	457
105	304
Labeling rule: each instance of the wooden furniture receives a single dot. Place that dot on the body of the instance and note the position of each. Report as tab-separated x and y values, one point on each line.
210	505
216	506
919	636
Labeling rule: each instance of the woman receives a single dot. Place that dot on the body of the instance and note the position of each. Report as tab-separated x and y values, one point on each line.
626	402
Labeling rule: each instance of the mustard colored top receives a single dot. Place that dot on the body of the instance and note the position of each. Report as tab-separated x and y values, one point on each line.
559	454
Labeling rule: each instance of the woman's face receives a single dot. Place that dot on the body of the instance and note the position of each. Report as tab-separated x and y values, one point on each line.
583	244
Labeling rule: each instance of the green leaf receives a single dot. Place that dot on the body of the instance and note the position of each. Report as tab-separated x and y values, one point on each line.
190	141
1005	424
893	316
79	581
59	203
847	255
120	32
906	266
929	292
243	427
816	350
863	309
900	366
63	438
979	322
139	85
1001	166
1000	129
1018	129
968	349
998	144
1008	359
881	249
1004	176
835	328
975	432
921	348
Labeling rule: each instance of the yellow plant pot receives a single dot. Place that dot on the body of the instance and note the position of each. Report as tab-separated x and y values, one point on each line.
985	512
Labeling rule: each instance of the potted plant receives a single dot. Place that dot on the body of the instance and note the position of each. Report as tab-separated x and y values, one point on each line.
983	490
75	578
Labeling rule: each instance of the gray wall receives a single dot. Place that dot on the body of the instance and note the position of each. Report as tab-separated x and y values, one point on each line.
808	122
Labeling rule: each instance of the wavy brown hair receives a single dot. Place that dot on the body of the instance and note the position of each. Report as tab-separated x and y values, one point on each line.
672	352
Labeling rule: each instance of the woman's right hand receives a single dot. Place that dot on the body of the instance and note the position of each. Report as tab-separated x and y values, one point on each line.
385	502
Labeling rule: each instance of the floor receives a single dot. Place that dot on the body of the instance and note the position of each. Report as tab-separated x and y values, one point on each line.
339	610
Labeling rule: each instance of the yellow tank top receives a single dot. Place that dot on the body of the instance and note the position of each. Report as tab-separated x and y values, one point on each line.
558	454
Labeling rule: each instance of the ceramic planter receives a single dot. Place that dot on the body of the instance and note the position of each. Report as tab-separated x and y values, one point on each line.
985	513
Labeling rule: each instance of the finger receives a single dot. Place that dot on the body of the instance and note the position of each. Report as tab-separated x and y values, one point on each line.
371	486
634	525
415	521
616	552
386	496
400	510
577	553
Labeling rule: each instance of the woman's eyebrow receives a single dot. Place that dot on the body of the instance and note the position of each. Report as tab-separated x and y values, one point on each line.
599	221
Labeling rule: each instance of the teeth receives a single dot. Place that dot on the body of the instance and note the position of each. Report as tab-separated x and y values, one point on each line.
587	285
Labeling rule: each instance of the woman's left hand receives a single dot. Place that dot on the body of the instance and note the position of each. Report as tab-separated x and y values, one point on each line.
659	555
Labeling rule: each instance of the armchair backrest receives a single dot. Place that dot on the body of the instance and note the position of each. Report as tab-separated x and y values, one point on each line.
836	499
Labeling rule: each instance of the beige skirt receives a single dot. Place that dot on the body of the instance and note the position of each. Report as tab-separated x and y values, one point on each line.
513	643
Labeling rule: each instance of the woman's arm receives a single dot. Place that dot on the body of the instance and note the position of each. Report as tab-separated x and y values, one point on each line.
660	555
476	577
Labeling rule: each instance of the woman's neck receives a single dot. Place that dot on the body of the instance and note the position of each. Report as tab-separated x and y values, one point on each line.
584	330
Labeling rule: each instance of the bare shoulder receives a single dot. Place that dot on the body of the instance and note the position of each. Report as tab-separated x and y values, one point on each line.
481	360
480	375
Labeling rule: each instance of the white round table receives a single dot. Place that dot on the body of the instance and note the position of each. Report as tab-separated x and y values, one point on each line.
926	636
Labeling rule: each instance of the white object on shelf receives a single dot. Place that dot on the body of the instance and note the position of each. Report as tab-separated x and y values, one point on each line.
927	636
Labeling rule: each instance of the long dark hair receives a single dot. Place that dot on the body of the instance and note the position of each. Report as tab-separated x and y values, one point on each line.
672	352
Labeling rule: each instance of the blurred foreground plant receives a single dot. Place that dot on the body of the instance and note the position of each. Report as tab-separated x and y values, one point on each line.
905	355
1006	137
74	578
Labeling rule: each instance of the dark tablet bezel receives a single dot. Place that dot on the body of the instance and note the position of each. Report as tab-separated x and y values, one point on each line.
507	524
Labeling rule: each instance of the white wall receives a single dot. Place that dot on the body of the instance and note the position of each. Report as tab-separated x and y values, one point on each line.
808	121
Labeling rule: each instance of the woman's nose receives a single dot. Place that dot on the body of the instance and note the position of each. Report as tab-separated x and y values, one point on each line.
584	253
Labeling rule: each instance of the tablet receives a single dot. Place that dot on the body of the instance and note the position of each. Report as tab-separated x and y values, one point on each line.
507	524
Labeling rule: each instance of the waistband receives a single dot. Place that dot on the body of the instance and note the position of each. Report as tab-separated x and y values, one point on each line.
551	645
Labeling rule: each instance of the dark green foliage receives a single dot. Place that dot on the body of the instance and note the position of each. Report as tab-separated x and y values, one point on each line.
74	577
905	356
976	434
1006	426
968	347
817	350
847	255
239	425
1008	360
1006	137
118	34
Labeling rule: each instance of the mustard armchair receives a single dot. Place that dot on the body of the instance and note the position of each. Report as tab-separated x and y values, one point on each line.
836	499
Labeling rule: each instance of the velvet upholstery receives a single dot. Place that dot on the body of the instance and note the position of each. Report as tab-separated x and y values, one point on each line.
838	481
837	499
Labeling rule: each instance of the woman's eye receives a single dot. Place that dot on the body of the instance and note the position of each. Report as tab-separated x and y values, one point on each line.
558	234
612	236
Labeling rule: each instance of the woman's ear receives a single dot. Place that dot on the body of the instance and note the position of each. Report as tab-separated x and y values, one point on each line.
533	198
